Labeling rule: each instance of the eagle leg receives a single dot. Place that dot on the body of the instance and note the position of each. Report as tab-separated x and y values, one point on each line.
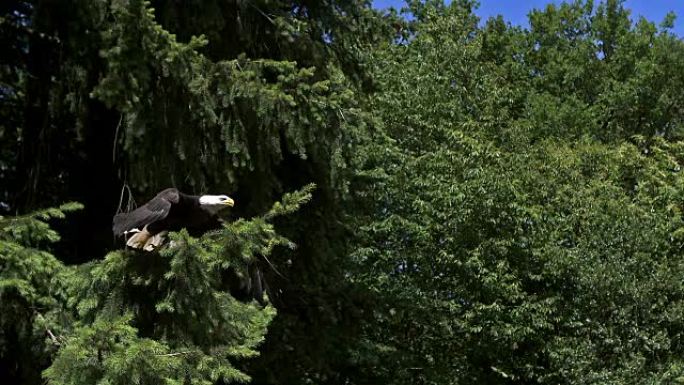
139	239
155	241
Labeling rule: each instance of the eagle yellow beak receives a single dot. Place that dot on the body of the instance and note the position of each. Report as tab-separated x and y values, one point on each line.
229	202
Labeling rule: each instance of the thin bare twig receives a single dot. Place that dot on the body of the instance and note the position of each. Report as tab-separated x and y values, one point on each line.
116	138
52	336
176	353
125	188
261	12
274	268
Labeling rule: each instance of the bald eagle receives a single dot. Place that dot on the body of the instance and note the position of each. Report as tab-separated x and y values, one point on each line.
171	210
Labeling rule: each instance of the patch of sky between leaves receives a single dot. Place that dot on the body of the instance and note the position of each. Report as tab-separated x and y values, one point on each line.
515	11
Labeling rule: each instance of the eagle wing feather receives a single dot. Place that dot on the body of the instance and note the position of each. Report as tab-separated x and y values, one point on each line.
154	210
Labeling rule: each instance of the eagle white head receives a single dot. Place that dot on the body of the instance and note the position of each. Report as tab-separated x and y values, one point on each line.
216	203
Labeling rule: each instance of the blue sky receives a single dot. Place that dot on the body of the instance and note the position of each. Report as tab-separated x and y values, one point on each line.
516	11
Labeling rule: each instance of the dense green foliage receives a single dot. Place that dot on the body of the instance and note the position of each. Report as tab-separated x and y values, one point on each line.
164	317
249	98
168	317
493	204
31	290
521	232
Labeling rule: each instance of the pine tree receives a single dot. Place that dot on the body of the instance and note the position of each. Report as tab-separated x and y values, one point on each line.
250	98
31	292
165	317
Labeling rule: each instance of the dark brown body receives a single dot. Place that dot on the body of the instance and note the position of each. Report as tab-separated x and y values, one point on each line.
170	210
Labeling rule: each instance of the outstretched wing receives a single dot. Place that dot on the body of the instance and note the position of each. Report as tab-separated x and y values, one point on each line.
154	210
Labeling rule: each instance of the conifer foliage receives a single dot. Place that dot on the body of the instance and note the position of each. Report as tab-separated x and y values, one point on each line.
31	292
139	317
251	98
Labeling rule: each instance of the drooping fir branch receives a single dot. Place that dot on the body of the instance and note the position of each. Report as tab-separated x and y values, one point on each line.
247	109
26	270
30	228
31	287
